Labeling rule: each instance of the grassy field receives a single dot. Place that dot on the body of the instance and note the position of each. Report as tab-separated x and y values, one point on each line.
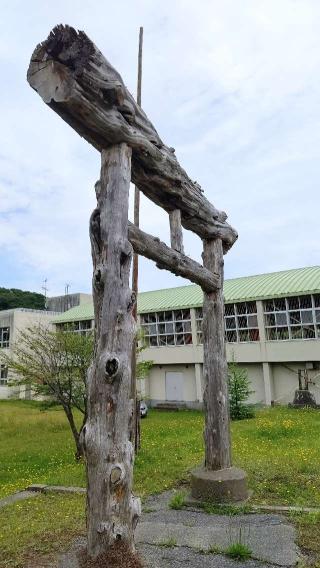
280	450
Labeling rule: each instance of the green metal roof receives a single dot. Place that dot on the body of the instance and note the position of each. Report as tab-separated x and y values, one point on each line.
82	312
262	286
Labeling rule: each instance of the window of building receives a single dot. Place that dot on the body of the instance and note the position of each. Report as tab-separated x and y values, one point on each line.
199	318
241	322
3	375
316	302
172	327
4	336
297	317
82	326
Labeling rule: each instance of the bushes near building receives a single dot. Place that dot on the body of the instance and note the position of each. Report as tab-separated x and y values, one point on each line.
239	392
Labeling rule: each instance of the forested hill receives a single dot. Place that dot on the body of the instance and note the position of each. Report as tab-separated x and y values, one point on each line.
13	298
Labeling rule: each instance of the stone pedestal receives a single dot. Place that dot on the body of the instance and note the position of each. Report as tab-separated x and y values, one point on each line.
221	486
303	398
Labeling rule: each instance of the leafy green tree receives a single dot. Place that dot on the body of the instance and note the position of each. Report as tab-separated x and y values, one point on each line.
143	367
15	298
239	392
54	364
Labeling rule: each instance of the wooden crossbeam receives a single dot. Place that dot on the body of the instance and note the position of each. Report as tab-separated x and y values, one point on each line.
76	81
172	260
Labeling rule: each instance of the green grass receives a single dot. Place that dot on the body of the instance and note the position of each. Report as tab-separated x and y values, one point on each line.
214	549
39	526
280	450
238	551
169	543
178	500
308	529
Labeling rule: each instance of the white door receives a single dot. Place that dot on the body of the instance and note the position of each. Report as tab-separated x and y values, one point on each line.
174	386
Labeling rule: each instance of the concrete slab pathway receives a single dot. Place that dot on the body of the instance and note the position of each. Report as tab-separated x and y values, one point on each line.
167	538
19	496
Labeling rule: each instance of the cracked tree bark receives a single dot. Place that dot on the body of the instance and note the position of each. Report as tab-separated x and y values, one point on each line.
215	369
112	511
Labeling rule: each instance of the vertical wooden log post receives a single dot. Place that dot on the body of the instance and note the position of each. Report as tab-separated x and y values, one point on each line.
176	235
112	512
217	480
215	370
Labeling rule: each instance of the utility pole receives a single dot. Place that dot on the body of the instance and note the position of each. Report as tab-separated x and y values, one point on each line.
135	275
66	294
45	289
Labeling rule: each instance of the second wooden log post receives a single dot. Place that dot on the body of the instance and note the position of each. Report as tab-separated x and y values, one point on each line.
112	512
217	480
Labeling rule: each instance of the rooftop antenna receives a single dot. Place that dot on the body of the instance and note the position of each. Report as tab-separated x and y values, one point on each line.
66	293
45	290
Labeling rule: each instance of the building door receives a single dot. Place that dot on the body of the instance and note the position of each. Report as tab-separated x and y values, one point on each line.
174	386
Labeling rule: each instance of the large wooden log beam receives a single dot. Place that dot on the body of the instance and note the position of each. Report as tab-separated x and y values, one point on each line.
172	260
76	81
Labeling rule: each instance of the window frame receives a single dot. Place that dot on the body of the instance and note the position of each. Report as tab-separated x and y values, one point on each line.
170	328
296	311
238	313
3	375
5	337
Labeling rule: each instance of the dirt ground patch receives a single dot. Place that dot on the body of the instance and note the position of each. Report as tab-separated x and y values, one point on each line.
117	557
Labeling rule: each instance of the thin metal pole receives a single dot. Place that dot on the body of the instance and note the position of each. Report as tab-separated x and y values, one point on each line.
140	67
136	214
135	275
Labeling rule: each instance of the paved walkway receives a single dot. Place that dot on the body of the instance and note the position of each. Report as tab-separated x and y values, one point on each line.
19	496
171	539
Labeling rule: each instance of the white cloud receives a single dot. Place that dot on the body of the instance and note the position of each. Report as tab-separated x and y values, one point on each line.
232	85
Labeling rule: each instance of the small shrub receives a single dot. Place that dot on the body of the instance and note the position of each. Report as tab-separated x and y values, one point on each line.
170	543
178	501
238	551
239	392
214	549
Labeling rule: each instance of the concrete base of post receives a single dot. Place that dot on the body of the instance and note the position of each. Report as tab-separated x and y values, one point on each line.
304	399
221	486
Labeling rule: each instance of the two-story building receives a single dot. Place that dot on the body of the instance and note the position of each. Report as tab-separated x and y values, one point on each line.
272	328
15	320
11	323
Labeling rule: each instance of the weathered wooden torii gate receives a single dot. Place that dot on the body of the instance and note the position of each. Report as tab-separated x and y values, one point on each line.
76	81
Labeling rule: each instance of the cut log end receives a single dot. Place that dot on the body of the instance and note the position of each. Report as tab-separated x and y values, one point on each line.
65	44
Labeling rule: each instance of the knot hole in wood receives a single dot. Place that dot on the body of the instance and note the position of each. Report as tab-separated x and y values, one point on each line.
112	367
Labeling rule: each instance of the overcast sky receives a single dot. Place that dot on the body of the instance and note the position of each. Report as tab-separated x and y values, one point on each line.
233	85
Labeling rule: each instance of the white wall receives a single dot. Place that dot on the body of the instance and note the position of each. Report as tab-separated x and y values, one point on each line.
156	382
19	320
255	376
286	382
